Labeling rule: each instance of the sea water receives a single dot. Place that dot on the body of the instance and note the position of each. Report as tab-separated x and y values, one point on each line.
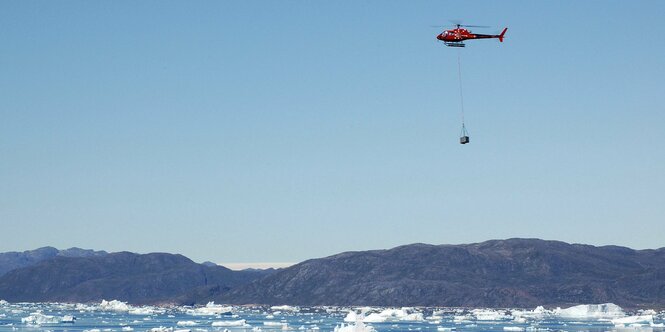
116	316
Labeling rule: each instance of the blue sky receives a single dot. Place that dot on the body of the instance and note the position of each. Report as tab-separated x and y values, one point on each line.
275	131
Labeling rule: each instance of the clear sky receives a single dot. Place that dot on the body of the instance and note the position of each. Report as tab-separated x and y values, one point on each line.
275	131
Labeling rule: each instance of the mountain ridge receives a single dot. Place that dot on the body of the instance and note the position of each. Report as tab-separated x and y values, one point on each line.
15	259
496	273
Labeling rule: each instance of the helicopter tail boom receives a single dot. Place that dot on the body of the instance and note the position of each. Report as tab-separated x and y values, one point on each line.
501	35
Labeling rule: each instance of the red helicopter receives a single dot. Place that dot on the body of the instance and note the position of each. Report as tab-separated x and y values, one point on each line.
456	37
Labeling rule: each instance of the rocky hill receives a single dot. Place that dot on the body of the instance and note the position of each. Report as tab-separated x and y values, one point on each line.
506	273
16	260
499	273
135	278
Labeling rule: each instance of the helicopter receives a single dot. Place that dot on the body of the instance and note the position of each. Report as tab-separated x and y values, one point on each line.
456	37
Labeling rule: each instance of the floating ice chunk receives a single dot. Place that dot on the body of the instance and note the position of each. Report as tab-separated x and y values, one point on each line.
631	320
161	329
283	325
445	329
489	314
270	317
3	303
374	318
284	308
186	323
141	311
591	311
37	318
389	315
351	317
519	320
648	312
513	328
358	327
127	328
240	322
539	313
114	305
68	319
182	330
92	330
211	309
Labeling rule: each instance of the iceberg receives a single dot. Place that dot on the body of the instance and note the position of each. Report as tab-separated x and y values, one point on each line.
68	319
389	315
127	328
284	308
591	311
211	309
186	323
144	311
489	315
161	329
633	321
358	327
3	303
539	313
114	305
240	322
37	318
513	328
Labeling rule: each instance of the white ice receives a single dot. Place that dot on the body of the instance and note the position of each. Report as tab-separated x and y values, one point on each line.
591	311
37	318
114	305
211	309
186	323
240	322
284	308
68	319
358	327
633	321
389	315
489	315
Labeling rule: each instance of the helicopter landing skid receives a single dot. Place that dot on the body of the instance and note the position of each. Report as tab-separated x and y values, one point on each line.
454	44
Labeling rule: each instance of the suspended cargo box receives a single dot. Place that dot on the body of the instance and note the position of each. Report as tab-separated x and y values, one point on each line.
464	139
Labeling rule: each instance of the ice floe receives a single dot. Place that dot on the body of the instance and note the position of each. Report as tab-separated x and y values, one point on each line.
226	323
186	323
633	321
357	327
68	319
591	311
490	314
38	318
387	315
114	305
284	308
211	309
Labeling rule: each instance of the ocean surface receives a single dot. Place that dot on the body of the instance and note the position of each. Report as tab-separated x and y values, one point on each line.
109	316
